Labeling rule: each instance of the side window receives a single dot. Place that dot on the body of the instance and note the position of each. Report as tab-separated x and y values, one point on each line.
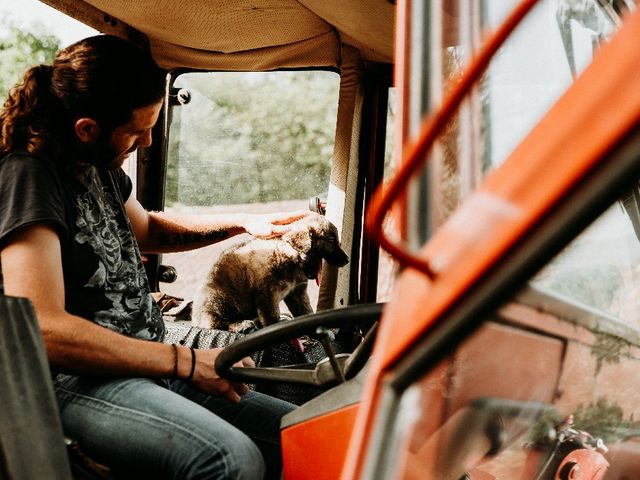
253	142
597	269
387	266
600	268
527	76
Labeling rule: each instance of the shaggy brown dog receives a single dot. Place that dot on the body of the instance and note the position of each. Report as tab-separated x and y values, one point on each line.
250	279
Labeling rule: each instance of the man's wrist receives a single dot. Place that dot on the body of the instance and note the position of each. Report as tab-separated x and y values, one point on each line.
174	372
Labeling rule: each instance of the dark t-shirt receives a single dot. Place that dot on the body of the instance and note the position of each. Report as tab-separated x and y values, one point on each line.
104	277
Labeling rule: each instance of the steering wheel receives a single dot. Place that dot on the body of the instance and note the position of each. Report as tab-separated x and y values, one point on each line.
333	369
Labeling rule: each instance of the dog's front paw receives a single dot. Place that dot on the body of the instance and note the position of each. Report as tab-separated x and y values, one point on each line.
245	326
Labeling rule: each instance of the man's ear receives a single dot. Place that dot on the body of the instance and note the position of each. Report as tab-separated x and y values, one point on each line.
87	130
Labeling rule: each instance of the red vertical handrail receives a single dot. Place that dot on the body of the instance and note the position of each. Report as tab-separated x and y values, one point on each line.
415	153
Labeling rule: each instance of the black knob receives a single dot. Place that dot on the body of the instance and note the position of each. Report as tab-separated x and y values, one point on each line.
167	274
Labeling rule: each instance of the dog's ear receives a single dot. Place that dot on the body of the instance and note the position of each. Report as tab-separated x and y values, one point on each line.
300	240
317	233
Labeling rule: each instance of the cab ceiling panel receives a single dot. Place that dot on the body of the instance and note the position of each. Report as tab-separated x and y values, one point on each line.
254	34
229	34
219	25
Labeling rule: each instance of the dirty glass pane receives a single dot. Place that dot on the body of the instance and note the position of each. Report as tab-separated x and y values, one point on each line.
529	74
534	67
600	269
251	137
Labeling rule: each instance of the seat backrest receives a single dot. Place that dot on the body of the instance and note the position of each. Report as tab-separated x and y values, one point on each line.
31	438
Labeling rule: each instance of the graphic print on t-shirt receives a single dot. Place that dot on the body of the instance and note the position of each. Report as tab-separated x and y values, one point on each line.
120	273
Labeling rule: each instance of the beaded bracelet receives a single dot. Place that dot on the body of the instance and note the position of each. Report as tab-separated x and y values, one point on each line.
193	364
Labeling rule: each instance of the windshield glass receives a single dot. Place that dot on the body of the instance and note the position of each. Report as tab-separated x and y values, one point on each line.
251	137
246	142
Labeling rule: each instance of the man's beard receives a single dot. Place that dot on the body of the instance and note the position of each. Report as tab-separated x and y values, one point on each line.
102	154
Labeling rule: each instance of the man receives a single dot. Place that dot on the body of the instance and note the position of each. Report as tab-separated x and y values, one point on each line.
71	233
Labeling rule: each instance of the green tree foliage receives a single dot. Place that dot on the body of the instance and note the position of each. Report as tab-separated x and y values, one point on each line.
21	49
252	137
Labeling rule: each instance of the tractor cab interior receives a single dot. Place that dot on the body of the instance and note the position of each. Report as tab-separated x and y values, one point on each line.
500	337
270	106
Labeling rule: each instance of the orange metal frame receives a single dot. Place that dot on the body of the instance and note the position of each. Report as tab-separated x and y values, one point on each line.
592	118
416	153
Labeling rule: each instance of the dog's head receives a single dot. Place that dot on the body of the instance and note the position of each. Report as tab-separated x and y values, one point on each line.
316	238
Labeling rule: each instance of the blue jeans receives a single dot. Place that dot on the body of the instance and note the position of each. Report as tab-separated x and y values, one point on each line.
146	428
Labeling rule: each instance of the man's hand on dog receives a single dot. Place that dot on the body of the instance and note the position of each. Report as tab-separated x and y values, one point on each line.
271	225
206	379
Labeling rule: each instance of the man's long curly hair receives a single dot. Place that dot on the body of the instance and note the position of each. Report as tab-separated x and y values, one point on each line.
102	77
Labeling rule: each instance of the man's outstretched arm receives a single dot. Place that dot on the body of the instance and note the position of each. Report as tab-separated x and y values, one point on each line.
159	232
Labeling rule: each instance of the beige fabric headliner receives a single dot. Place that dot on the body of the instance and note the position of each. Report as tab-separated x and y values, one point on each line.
367	25
218	25
224	34
321	51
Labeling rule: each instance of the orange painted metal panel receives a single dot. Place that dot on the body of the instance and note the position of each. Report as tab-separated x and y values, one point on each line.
316	449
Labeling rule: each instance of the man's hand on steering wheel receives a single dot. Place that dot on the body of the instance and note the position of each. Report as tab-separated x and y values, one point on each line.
206	379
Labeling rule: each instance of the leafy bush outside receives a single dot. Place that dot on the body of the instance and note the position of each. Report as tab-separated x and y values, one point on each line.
20	49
